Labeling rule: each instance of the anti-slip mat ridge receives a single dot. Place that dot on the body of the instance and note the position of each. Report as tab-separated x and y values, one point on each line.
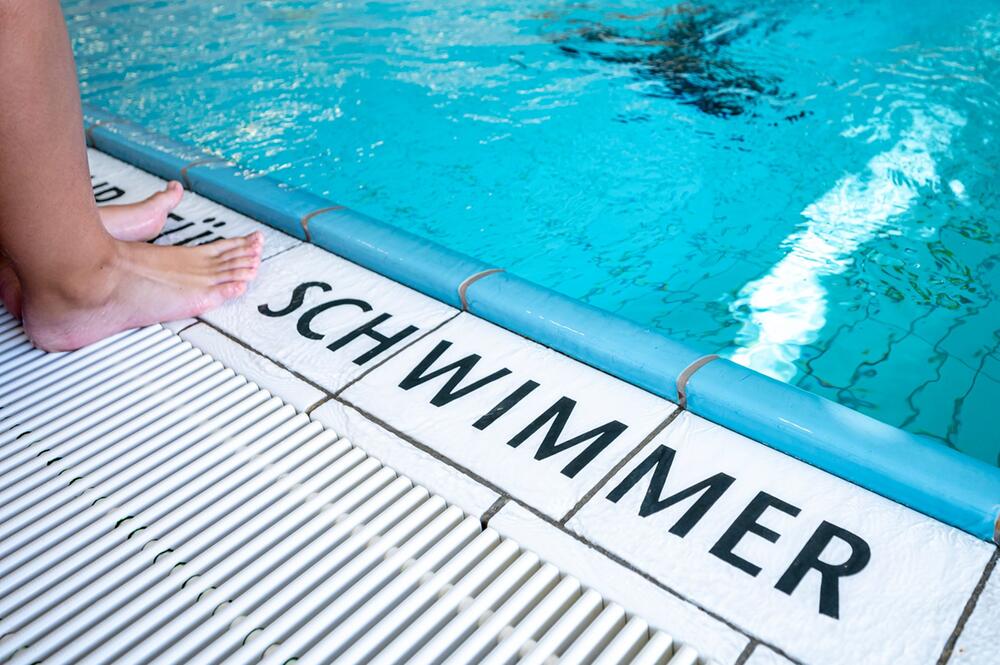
156	507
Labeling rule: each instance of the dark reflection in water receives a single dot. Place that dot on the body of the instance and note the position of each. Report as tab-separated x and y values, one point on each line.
685	51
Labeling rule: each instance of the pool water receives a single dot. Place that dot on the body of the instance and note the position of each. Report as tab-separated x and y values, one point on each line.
811	191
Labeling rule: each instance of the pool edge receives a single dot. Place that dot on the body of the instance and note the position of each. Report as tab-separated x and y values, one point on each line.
948	486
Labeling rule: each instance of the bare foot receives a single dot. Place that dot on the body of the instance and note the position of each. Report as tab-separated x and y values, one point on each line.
143	285
142	220
130	222
10	288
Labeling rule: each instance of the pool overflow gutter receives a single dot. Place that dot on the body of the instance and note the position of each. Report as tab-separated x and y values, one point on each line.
919	473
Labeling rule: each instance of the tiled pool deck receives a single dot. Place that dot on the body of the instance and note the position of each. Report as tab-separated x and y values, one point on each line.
742	551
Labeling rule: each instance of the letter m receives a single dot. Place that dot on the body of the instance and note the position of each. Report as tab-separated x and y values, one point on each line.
659	461
559	414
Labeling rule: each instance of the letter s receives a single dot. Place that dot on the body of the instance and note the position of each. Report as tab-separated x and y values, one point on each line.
298	297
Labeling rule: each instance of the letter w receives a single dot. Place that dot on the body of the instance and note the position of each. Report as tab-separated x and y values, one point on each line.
460	369
659	461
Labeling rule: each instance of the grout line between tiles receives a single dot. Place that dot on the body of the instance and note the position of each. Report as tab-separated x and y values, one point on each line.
392	355
548	520
427	449
493	510
246	346
318	403
618	467
326	392
970	605
178	331
646	576
747	651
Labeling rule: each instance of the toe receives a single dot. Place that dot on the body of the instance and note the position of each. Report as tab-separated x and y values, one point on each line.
236	275
168	199
215	296
236	246
252	251
224	246
240	262
229	290
173	194
10	289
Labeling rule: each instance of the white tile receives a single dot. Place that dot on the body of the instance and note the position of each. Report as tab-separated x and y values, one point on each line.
179	324
899	607
661	609
417	465
307	300
116	182
195	221
979	641
499	364
762	655
257	368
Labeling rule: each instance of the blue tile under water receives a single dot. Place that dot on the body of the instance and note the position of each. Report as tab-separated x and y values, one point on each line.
810	190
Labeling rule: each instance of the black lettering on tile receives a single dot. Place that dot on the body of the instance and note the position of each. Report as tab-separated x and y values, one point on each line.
458	370
659	462
559	413
298	297
746	522
809	559
505	405
203	234
174	230
103	192
304	326
385	342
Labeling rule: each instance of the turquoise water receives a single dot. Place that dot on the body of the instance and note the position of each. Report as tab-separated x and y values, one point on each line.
811	191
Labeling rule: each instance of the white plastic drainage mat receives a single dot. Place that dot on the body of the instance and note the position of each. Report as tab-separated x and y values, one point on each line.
155	507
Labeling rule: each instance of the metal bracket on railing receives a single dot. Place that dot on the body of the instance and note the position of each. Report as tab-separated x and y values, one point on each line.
197	162
683	377
89	131
308	216
468	281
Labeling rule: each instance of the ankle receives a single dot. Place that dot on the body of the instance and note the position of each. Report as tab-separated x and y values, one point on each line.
79	286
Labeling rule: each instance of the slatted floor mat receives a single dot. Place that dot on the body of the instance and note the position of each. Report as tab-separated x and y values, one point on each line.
156	507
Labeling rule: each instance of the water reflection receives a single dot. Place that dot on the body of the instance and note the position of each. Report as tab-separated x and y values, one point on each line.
786	308
684	52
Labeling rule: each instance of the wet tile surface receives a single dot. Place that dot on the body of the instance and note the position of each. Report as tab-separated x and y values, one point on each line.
257	368
979	642
180	324
326	318
399	455
538	425
822	569
661	609
195	221
765	656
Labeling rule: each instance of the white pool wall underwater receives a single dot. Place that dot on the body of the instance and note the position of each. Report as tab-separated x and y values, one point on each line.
917	472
